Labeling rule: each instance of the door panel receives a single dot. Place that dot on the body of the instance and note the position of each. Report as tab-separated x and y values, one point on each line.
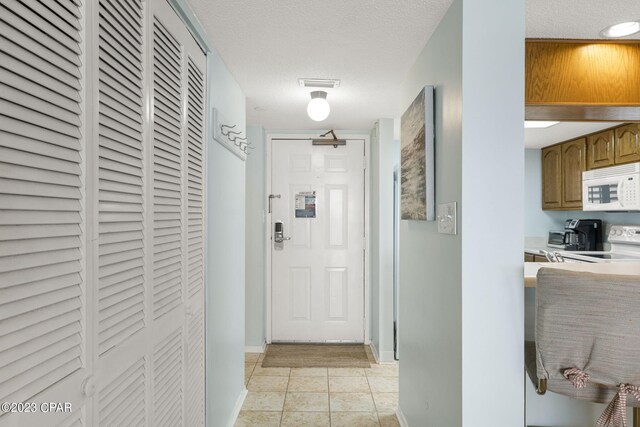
551	177
573	164
318	275
600	150
627	145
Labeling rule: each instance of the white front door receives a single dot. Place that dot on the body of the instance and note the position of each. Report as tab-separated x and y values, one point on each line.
317	276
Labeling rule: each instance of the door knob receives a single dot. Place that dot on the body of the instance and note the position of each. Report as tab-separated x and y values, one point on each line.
278	233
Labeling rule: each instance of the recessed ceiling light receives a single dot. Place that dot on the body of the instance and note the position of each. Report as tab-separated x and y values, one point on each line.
621	30
538	124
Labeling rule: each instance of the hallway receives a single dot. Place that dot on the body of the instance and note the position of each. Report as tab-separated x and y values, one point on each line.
319	397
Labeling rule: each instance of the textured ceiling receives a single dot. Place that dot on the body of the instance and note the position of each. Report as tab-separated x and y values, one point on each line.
538	138
368	44
577	19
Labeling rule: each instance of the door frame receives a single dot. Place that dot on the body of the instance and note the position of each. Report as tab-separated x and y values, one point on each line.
270	137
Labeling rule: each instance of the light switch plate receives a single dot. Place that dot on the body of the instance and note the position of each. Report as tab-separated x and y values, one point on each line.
447	220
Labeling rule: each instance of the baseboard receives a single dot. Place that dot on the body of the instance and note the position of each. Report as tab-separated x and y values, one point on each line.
374	352
387	358
238	407
401	419
255	348
382	357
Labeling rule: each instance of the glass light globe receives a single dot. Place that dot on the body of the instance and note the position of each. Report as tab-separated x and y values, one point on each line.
318	108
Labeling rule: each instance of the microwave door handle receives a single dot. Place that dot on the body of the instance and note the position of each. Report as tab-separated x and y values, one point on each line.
620	191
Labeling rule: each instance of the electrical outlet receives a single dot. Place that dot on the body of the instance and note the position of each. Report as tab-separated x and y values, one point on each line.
447	219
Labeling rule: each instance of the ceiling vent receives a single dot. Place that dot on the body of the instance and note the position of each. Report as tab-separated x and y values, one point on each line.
321	83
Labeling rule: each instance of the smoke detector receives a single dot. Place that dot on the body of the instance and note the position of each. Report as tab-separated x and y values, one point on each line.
321	83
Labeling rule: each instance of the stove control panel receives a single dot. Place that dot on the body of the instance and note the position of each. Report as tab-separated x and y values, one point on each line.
629	234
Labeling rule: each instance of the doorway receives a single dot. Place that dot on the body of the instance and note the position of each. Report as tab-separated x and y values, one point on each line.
316	237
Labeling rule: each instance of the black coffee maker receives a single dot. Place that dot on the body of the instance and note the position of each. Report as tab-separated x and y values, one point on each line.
583	235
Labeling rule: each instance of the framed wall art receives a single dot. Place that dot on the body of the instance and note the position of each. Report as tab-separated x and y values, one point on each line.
417	173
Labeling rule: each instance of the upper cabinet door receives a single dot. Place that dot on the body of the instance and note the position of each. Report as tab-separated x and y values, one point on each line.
551	177
627	146
600	149
574	160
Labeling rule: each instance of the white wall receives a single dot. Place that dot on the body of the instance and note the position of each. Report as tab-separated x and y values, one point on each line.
430	333
255	249
493	143
461	334
225	317
381	238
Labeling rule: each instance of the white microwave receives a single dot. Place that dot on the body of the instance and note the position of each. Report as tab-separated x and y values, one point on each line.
616	188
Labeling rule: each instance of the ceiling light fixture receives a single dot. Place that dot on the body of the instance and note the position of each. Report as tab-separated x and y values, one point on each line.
538	124
318	108
621	30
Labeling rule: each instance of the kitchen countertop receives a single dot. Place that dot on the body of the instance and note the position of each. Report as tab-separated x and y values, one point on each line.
622	268
533	245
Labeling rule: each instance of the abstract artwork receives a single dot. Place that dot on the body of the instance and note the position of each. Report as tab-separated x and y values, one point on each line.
417	158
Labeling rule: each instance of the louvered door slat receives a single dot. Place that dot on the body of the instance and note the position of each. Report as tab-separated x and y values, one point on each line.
40	199
195	132
122	401
23	84
39	14
121	34
28	115
114	94
67	27
121	256
130	11
111	76
10	33
167	164
195	370
38	77
34	31
125	33
32	60
167	381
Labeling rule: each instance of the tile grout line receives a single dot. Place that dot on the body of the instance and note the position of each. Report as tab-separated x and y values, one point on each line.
329	396
286	392
374	401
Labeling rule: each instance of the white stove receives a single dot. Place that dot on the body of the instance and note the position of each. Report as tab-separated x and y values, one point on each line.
625	247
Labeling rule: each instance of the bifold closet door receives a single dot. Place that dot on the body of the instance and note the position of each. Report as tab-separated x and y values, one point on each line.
101	213
117	250
149	358
42	305
178	221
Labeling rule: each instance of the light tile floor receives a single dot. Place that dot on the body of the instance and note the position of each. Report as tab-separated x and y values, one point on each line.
319	397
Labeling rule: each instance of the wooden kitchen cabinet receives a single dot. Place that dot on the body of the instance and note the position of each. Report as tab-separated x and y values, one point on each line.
552	177
563	163
562	167
534	258
627	143
600	149
574	162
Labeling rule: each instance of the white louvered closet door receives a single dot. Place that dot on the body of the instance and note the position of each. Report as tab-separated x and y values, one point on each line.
42	304
177	186
101	213
195	239
120	270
